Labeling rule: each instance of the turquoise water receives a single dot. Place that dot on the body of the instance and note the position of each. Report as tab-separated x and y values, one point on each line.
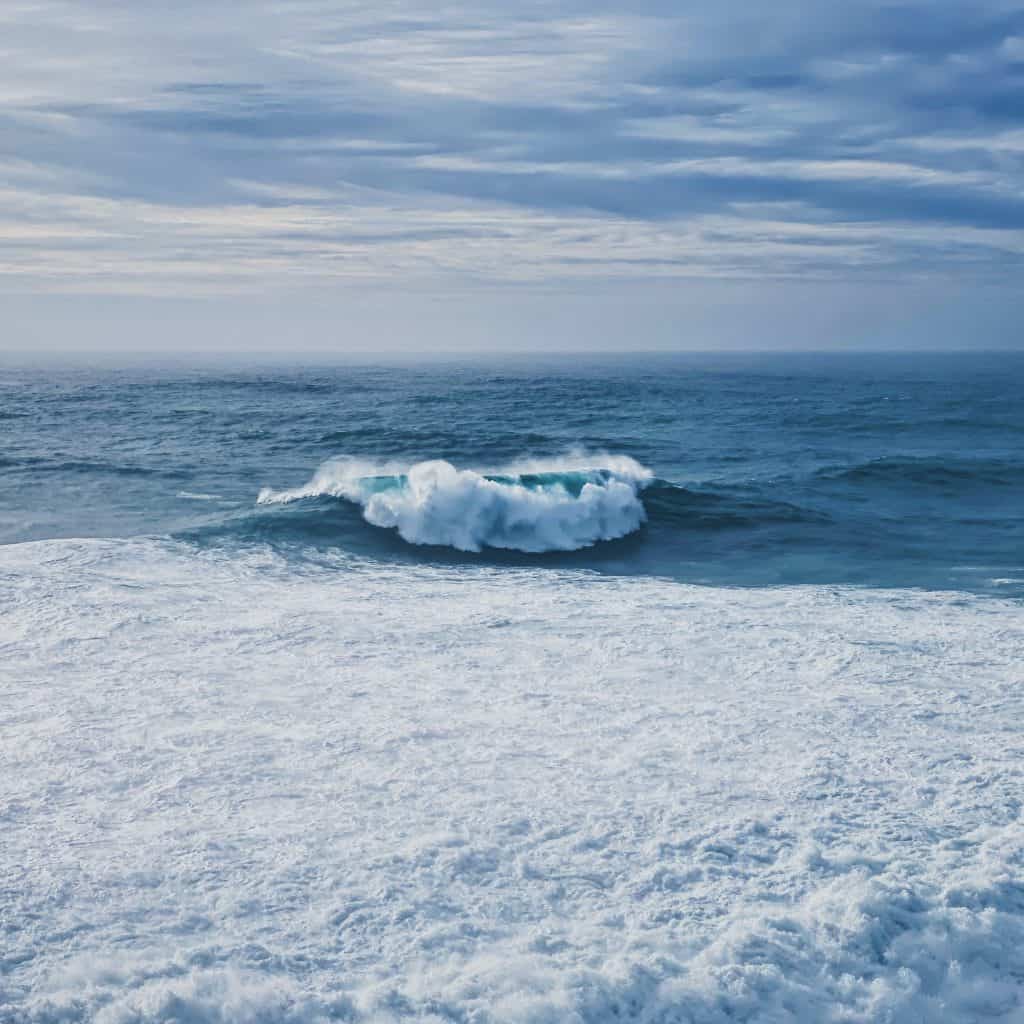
881	470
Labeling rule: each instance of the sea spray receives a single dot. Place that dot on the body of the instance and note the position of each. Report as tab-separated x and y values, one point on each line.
531	506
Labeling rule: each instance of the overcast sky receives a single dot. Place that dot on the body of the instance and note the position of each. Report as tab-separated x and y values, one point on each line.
316	174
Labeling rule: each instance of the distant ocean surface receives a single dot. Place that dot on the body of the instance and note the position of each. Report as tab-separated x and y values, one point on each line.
881	470
513	691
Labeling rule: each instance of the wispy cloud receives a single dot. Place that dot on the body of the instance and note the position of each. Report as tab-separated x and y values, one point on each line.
166	148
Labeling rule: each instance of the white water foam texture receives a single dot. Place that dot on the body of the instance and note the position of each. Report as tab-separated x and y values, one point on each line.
435	503
232	792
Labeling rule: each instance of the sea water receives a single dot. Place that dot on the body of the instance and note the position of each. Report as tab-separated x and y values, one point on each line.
665	688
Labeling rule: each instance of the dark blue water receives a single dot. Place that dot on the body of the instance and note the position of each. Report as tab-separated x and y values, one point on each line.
881	470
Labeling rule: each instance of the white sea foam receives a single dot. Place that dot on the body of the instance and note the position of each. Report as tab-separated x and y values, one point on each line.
232	792
434	503
195	496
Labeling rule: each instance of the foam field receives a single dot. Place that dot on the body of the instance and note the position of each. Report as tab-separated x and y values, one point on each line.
233	791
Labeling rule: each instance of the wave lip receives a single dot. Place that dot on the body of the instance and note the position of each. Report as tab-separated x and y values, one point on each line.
535	506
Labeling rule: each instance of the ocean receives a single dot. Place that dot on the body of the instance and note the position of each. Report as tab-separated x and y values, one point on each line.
653	688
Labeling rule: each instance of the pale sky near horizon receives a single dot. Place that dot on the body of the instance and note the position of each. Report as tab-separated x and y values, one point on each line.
320	175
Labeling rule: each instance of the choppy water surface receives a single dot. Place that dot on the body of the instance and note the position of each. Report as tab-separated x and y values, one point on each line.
875	469
308	714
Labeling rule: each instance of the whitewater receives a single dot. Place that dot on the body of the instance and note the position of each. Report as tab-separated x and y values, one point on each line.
545	505
687	692
232	791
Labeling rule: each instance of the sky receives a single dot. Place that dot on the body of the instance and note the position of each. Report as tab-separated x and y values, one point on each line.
292	175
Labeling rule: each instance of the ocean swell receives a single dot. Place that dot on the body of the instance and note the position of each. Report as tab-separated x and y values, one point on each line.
536	506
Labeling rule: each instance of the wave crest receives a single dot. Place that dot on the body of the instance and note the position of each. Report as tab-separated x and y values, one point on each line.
535	506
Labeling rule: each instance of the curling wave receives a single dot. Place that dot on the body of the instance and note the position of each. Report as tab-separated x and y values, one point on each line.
547	505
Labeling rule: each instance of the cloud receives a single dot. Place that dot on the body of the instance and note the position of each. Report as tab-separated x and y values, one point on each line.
155	147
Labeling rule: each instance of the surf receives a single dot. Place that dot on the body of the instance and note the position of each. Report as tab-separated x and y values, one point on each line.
531	506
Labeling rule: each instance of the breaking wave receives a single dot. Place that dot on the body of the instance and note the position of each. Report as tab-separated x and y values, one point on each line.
544	505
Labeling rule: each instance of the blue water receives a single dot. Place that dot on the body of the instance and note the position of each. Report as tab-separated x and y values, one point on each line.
878	470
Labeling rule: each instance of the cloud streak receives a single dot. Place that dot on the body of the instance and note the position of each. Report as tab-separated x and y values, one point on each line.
152	148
